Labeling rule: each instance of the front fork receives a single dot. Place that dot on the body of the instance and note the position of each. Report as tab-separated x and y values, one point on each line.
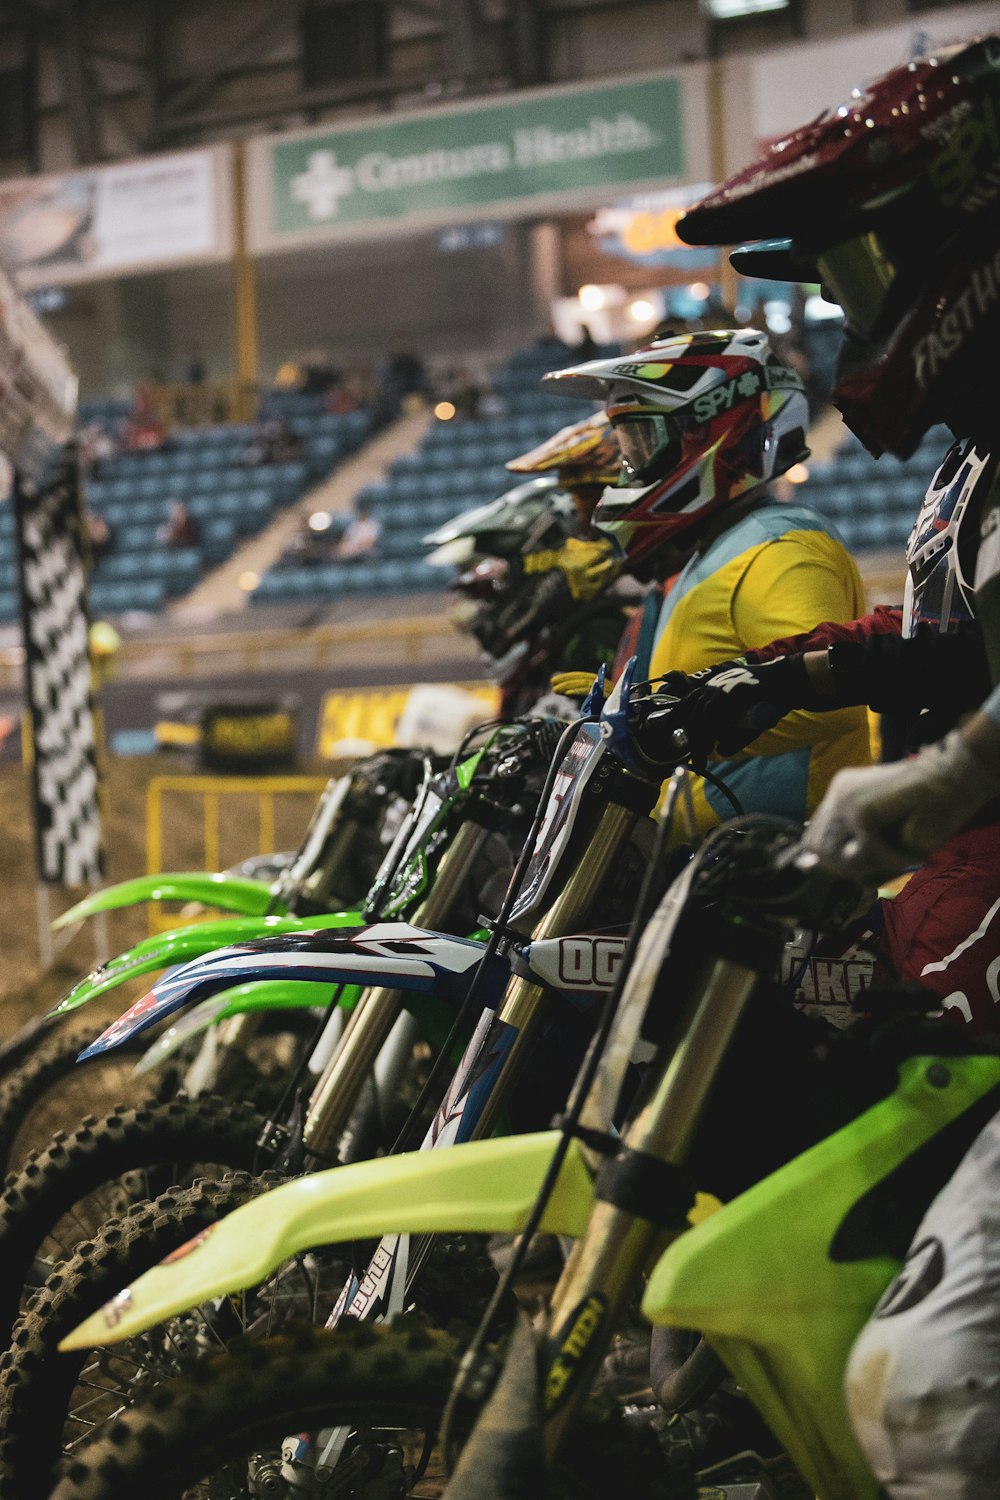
643	1194
373	1019
491	1065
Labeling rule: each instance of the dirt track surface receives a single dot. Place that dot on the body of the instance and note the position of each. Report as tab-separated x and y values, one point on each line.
25	988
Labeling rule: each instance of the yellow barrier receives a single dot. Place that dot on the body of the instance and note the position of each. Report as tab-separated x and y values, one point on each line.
237	794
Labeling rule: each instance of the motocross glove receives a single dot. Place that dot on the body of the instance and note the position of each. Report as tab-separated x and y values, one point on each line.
875	822
727	706
589	567
576	684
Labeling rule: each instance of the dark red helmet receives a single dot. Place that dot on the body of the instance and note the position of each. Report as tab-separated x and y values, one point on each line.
892	202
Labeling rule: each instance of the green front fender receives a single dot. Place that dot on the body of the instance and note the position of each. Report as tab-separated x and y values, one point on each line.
254	995
782	1279
482	1187
184	943
227	892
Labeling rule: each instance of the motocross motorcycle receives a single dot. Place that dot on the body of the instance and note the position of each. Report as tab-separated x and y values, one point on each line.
817	1217
41	1088
535	989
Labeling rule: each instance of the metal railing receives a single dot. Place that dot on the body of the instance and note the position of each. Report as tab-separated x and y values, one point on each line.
221	846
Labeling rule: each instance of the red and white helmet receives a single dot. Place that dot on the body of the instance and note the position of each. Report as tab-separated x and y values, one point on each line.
701	419
892	203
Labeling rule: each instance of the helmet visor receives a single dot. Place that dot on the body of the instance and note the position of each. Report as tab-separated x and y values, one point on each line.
859	275
650	443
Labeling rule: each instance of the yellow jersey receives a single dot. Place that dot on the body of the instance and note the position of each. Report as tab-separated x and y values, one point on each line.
779	570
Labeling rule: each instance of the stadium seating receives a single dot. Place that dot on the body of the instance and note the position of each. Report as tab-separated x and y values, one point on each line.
873	504
201	466
460	463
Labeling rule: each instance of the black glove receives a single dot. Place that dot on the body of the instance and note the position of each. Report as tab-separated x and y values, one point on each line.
727	706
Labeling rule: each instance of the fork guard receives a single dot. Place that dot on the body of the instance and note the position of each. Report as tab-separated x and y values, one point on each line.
483	1187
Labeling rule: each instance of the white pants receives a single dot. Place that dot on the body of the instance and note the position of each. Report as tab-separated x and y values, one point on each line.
923	1379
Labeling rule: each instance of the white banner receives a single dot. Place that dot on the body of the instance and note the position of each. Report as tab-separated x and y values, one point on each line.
141	215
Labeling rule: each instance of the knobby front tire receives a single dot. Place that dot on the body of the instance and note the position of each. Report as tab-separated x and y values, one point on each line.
47	1400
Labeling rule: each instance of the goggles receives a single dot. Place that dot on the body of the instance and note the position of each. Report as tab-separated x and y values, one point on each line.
649	441
859	275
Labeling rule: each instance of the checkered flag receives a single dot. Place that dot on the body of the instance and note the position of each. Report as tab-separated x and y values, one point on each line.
57	670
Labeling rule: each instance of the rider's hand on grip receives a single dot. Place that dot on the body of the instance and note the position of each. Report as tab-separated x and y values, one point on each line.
728	705
575	684
874	822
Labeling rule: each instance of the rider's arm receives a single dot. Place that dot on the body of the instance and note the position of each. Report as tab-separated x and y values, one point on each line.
882	620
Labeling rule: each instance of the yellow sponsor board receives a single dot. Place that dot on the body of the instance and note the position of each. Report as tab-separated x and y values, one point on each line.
354	723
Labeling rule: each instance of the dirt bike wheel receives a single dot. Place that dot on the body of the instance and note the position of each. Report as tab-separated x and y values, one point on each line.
194	1436
65	1193
51	1091
49	1400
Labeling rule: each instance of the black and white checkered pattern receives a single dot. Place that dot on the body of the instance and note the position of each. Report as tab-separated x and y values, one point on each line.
57	676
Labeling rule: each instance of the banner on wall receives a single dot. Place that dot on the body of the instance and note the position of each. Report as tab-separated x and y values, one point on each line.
141	215
531	153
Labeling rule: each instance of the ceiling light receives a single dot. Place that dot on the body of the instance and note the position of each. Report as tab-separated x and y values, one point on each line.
641	310
734	10
592	298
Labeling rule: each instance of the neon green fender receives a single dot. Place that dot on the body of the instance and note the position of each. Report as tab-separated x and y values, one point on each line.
781	1289
480	1187
255	994
184	943
227	892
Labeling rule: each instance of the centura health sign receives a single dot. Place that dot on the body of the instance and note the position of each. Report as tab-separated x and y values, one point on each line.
532	152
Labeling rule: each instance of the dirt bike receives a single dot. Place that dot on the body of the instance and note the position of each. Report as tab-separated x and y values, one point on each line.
40	1086
779	1281
572	866
588	822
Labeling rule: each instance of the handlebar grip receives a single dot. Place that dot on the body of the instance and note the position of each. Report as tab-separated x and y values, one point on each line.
659	735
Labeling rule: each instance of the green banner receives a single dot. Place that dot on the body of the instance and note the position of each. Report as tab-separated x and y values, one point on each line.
557	145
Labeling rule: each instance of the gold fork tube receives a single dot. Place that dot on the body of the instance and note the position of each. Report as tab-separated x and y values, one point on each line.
523	1003
337	1089
609	1261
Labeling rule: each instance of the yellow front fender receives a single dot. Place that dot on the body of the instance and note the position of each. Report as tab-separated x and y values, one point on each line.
484	1187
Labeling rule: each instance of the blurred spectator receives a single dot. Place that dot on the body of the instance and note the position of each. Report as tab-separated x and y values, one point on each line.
316	539
95	445
289	374
318	373
100	536
274	442
195	369
143	429
409	375
180	529
588	347
362	534
472	398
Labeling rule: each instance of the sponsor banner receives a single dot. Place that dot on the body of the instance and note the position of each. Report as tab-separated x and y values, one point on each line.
135	216
529	153
643	230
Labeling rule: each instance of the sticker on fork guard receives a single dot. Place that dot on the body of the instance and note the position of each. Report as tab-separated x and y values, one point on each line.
579	1331
188	1246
